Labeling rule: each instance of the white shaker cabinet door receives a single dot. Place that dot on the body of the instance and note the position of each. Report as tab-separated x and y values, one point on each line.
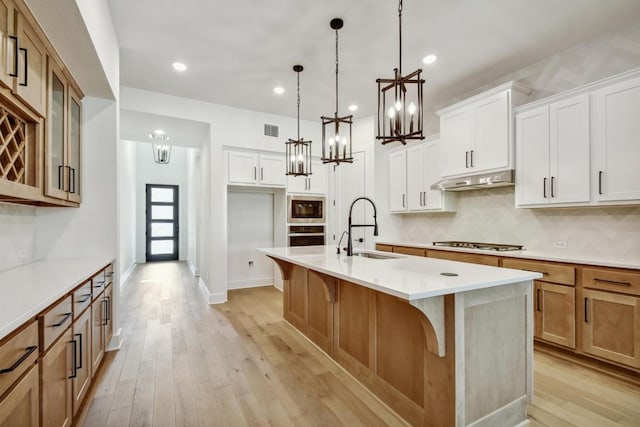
433	199
569	165
243	168
616	143
532	163
318	179
415	178
398	181
491	146
455	136
272	171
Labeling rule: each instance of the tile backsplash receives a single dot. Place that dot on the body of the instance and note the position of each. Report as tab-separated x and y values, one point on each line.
489	215
17	235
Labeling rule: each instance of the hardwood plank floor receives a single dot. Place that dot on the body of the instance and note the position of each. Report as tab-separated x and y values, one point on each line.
184	363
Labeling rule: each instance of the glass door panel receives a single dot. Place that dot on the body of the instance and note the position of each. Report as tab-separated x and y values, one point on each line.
74	148
57	120
162	222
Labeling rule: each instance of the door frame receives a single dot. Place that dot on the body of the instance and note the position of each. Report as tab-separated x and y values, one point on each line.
174	256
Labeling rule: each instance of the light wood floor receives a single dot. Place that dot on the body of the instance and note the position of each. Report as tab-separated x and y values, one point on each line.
186	363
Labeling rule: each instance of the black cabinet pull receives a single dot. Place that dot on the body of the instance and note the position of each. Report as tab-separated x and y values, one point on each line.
75	359
72	180
86	298
26	67
79	364
63	321
13	367
471	155
98	284
15	58
255	173
261	174
466	159
108	308
612	282
552	179
544	187
600	182
586	318
538	299
403	200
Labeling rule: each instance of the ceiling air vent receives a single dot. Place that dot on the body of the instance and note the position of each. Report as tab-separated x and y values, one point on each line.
271	130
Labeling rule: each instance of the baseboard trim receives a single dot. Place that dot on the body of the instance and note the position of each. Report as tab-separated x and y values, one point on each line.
210	298
252	283
125	276
194	270
115	343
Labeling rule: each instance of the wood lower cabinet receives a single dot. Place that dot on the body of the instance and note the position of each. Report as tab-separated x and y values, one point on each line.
20	407
611	326
108	313
491	260
97	333
409	250
555	314
57	368
82	375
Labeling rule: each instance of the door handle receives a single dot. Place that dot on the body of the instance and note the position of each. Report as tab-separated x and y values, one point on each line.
26	66
79	365
72	180
538	299
600	182
75	359
60	178
255	173
261	174
62	322
13	367
403	200
466	159
15	57
586	319
471	156
544	187
552	180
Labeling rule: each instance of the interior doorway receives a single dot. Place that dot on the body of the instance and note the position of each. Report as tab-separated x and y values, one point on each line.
162	227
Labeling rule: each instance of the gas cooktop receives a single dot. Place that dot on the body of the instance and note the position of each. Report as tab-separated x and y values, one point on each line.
476	245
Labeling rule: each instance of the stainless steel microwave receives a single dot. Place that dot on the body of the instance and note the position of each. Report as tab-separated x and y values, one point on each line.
306	209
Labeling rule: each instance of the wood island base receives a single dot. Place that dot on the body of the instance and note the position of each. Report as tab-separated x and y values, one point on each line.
467	363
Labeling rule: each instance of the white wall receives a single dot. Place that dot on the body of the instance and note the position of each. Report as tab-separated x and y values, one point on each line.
173	173
193	209
126	208
17	235
89	230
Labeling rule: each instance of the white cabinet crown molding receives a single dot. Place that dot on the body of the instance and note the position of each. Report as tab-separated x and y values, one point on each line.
512	85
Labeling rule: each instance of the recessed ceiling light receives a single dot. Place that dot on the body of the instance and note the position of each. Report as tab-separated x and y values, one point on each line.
158	132
179	66
353	107
278	90
429	59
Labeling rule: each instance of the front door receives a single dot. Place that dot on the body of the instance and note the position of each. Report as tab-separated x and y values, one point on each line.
162	222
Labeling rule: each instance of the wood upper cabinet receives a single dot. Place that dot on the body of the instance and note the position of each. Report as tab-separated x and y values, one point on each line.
616	150
63	137
20	407
611	326
57	368
23	57
552	146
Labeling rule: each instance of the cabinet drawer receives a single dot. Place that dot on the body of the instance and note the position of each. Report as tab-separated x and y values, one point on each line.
108	274
464	257
553	273
17	355
54	322
81	299
409	251
623	281
98	283
384	248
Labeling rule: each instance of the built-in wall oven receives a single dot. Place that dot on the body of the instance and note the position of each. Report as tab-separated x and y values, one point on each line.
306	235
306	209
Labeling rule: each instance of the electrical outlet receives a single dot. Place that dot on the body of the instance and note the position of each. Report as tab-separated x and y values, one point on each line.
560	245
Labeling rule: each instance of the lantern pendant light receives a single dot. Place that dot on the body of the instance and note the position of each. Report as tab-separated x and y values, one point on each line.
336	131
161	148
298	151
400	115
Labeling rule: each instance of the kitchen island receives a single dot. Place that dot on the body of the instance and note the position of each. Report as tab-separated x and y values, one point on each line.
442	343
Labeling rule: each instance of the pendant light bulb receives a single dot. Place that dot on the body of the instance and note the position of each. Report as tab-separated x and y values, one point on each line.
392	112
398	105
411	109
344	140
331	141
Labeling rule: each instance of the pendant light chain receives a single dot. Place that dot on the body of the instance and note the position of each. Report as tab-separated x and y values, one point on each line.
336	72
400	37
298	106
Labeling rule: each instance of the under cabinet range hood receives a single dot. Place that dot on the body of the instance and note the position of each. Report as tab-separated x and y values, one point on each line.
476	182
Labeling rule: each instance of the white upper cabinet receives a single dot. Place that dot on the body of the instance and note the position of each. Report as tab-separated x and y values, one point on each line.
398	181
316	183
247	168
552	145
476	134
616	143
412	171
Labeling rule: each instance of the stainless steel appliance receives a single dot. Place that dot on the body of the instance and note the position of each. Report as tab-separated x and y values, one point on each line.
306	209
306	235
475	245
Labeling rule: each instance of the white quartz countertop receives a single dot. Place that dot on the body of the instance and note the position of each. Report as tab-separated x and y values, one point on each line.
559	255
404	276
28	289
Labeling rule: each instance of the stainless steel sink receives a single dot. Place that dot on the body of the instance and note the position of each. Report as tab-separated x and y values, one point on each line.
374	255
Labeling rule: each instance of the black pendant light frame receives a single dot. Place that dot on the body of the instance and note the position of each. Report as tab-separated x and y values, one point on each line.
336	150
298	151
402	125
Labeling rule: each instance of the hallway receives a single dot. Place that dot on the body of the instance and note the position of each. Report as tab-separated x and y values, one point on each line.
186	363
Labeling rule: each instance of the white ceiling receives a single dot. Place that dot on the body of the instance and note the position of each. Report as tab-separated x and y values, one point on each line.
136	126
237	51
